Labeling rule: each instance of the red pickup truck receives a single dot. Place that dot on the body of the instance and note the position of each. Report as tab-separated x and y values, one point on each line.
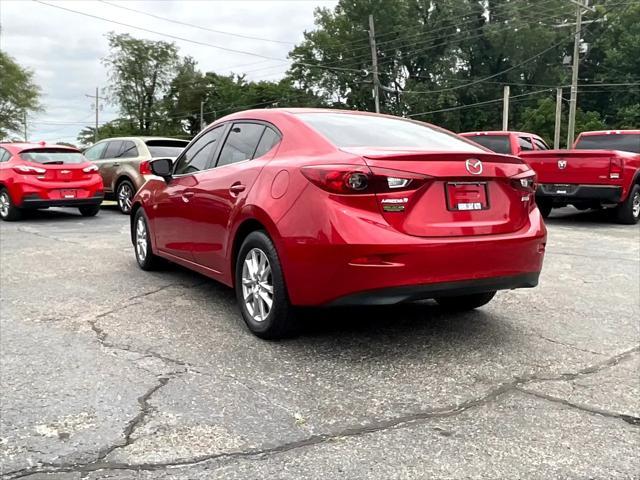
602	170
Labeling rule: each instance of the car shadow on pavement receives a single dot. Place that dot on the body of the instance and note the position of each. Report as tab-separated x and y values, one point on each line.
602	218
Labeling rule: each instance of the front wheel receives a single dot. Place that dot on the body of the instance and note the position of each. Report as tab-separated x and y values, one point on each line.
463	303
628	212
8	211
145	257
89	210
260	289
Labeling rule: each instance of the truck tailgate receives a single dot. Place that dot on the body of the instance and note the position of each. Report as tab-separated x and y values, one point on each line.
586	167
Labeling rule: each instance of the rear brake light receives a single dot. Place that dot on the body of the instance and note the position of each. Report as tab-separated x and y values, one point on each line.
90	169
525	181
29	170
145	168
615	168
360	179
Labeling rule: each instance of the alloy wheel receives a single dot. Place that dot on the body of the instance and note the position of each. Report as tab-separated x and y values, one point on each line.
125	195
635	206
141	239
257	285
4	204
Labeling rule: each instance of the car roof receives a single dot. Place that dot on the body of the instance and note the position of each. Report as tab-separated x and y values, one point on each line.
17	147
500	132
144	139
610	132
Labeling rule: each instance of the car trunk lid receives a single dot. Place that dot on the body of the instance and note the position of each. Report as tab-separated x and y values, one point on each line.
590	167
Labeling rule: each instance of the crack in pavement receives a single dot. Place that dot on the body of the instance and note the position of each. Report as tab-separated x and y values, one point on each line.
353	431
631	419
48	237
568	345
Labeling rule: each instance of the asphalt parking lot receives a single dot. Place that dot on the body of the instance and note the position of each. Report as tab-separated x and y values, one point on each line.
111	372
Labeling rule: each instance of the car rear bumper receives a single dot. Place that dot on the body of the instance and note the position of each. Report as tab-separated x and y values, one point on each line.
409	293
569	192
37	202
413	268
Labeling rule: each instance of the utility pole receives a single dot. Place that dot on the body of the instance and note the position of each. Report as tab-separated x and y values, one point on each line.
505	108
556	133
96	99
574	74
374	62
26	139
201	115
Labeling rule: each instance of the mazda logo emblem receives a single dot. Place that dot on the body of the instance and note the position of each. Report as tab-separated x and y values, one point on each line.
474	166
562	164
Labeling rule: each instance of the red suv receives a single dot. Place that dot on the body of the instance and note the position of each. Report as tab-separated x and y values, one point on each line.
37	175
325	207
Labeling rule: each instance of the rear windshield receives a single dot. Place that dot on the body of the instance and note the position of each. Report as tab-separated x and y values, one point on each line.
58	157
626	142
345	130
166	148
496	143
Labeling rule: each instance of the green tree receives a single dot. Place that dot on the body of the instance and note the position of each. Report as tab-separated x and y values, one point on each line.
140	72
18	94
120	127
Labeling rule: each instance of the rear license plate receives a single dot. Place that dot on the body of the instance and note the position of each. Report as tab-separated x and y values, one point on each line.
68	193
467	196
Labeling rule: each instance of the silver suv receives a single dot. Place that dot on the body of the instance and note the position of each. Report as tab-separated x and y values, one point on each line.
124	163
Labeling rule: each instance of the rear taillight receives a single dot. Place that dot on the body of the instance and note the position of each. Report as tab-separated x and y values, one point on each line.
360	179
525	181
145	168
29	170
90	169
615	168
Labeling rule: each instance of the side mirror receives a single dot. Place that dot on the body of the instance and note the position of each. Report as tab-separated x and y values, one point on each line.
162	167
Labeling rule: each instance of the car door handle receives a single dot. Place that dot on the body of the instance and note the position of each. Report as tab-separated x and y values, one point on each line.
116	164
236	188
187	195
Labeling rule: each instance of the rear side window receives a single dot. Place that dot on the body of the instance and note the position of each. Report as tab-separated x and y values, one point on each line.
95	152
241	143
4	155
625	142
351	130
128	150
525	143
540	145
165	148
270	138
53	157
113	149
496	143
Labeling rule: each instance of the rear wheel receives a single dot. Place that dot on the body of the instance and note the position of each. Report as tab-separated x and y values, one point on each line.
145	257
8	211
260	289
544	206
89	210
124	196
628	212
465	302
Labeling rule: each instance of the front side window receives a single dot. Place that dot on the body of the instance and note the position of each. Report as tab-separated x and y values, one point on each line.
352	130
525	143
128	150
197	157
241	143
95	152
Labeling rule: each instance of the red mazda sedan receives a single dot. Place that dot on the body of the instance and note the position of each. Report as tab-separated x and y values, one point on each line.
301	207
37	175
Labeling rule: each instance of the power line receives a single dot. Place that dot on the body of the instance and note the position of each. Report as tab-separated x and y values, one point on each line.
178	22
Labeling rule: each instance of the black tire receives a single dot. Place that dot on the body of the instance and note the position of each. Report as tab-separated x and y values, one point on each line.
628	212
279	321
125	192
545	206
463	303
89	210
149	260
8	211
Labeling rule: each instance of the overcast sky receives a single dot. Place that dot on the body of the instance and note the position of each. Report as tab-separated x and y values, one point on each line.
64	49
